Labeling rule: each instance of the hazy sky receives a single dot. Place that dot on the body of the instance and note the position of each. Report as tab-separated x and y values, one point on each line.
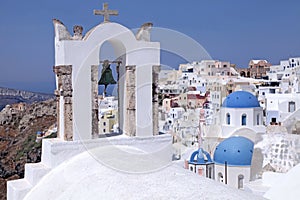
231	30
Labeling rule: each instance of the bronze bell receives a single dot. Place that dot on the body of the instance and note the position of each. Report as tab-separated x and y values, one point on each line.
106	75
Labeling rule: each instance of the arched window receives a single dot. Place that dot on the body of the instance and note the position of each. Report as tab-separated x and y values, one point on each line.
244	120
228	119
209	172
240	181
257	119
220	177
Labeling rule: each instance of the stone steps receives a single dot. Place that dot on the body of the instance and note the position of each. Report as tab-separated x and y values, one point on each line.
17	189
34	172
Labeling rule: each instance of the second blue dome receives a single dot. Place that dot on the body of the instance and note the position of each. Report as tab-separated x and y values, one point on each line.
241	99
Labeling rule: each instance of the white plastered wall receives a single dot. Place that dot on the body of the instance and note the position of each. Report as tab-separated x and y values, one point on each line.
232	174
236	122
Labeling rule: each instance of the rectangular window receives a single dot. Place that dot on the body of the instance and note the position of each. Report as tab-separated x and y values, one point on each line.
292	106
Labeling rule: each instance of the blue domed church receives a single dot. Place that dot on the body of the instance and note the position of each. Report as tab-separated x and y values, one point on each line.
232	158
241	119
200	162
241	115
231	163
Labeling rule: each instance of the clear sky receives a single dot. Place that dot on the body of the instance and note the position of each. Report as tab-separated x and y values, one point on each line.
231	30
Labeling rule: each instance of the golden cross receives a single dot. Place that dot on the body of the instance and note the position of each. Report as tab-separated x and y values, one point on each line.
105	12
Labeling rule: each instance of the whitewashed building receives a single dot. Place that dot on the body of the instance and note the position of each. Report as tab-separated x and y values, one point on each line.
285	69
176	113
218	91
280	106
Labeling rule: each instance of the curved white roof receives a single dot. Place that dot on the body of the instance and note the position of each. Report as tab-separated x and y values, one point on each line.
83	177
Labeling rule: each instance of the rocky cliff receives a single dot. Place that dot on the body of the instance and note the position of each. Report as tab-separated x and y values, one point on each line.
18	127
11	96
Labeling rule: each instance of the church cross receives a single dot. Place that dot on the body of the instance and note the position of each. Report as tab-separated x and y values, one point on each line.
105	12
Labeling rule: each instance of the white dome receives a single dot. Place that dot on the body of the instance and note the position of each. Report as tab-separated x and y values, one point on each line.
83	177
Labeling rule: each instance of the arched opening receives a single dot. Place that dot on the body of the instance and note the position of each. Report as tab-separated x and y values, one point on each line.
243	74
228	119
244	120
248	74
220	177
257	119
240	181
107	53
109	73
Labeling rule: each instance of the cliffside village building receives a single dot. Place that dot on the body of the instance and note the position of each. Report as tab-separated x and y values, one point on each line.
256	69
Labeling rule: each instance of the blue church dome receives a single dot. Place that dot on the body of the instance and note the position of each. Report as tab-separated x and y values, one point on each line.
200	157
241	99
236	151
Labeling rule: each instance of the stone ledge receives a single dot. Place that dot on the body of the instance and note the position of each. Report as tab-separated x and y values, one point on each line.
55	151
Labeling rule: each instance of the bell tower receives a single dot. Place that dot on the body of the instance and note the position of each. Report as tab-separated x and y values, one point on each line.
137	75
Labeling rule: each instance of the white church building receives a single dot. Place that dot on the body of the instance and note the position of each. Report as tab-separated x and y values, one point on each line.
241	115
232	158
